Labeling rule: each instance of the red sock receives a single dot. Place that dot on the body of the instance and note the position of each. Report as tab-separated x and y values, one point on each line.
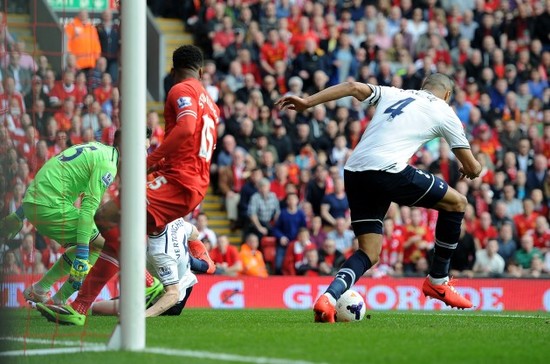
112	242
103	270
149	280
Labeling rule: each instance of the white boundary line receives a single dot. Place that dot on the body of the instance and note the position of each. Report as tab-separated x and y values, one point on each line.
467	313
93	347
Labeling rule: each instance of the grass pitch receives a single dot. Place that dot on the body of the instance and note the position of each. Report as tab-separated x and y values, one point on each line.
284	336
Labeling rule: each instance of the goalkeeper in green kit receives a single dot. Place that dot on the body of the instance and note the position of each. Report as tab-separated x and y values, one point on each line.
82	171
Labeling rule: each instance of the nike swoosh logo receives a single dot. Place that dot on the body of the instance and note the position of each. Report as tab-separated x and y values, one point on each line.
442	295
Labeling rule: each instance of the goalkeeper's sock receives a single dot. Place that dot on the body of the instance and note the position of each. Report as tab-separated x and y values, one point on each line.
354	267
67	288
59	270
103	270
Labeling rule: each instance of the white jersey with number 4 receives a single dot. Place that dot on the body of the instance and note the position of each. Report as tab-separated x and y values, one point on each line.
404	120
168	256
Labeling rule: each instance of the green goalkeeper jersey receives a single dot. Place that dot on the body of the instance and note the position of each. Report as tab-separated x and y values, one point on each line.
84	170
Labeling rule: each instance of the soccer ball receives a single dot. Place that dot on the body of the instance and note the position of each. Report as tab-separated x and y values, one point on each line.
350	307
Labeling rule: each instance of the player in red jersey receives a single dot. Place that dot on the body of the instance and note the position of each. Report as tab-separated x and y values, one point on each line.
181	171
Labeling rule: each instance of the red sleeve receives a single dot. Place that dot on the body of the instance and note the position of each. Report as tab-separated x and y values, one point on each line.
185	106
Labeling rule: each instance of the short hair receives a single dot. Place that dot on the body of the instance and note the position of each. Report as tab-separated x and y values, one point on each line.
438	81
187	57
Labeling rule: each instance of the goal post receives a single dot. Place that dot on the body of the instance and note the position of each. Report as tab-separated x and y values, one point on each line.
133	171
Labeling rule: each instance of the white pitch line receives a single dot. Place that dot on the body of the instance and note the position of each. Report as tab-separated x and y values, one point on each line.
97	347
49	342
223	356
465	313
53	351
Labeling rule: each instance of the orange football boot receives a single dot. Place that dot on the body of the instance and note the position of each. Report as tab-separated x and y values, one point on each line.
324	310
445	292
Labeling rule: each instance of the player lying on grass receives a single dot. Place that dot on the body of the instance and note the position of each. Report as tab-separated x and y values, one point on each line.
377	173
168	257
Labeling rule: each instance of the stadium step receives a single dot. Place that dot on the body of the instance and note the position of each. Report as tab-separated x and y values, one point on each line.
174	36
20	26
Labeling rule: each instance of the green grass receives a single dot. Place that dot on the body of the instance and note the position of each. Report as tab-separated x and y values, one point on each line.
387	337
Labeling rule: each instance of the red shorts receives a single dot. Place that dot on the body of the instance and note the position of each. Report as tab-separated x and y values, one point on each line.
168	201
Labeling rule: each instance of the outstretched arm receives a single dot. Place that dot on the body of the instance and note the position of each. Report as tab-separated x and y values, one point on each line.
356	89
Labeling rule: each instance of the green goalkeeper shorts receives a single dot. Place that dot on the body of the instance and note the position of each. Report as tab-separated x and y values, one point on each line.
59	224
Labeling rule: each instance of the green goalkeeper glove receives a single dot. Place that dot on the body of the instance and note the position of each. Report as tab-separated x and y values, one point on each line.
79	271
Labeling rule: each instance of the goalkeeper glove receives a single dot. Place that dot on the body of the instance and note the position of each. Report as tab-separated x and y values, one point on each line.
79	271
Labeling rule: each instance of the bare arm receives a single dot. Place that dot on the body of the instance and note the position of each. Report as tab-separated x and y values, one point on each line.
168	299
356	89
470	166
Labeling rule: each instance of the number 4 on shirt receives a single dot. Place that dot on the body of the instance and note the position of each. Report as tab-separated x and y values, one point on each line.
397	108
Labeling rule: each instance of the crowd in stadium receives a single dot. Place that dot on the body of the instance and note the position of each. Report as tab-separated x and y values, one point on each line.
280	172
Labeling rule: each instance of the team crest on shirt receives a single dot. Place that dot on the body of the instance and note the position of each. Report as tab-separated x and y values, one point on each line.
164	271
107	179
184	101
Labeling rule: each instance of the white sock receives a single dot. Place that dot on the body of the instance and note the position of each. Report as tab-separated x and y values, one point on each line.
331	299
438	281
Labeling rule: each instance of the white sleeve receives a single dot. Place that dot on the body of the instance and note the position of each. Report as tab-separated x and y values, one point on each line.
373	99
165	266
453	131
188	229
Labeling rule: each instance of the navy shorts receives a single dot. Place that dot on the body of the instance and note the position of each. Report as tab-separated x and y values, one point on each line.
371	192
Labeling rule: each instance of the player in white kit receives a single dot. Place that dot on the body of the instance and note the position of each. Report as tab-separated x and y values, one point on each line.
377	173
167	259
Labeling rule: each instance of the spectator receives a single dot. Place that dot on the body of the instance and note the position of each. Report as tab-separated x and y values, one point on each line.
10	95
83	41
272	50
540	234
66	89
342	235
252	259
513	204
22	76
91	118
316	232
464	257
294	255
108	33
537	175
316	188
26	255
525	254
247	191
204	231
488	261
286	228
309	266
335	205
226	257
263	209
9	264
330	258
64	116
526	220
391	258
52	253
506	244
418	241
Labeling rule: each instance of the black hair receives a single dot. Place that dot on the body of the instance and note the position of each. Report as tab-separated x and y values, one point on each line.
187	57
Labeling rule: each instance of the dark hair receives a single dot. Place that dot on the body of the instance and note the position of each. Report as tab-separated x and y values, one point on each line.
187	57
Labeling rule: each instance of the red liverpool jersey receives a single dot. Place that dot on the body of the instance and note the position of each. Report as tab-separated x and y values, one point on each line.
191	119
